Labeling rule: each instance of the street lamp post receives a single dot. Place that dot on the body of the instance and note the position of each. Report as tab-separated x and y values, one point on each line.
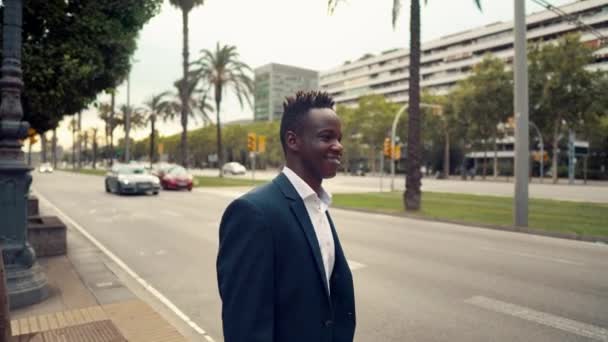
393	138
520	200
25	281
394	135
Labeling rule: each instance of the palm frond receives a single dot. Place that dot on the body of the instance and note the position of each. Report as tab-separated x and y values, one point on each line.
397	11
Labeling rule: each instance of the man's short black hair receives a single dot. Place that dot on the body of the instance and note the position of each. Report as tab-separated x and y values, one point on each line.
295	108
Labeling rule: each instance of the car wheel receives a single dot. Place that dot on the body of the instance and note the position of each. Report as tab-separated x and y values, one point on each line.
155	193
108	190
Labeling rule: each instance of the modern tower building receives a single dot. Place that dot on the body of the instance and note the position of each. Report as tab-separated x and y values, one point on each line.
273	82
446	60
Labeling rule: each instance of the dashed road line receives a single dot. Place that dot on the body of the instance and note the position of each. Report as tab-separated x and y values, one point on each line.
543	318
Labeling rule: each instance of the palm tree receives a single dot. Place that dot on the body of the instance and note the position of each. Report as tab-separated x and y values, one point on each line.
155	107
136	120
221	69
412	195
186	6
201	105
106	114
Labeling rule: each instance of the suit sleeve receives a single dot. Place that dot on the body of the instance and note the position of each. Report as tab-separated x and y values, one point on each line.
245	272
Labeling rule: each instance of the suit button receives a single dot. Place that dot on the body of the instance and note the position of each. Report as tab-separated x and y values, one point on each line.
329	323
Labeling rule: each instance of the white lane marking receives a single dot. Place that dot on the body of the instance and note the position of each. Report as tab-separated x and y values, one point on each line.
565	324
353	265
105	284
534	256
128	270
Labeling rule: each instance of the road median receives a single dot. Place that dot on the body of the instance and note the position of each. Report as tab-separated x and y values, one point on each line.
572	220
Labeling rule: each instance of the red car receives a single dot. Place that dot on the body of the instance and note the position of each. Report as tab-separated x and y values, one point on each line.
174	177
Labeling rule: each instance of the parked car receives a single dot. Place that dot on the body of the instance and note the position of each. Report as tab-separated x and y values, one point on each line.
45	168
131	179
234	168
174	177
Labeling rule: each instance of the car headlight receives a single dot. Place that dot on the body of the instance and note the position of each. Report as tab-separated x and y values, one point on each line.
123	180
155	181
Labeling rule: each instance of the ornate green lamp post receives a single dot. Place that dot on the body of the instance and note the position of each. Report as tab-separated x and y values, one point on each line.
25	281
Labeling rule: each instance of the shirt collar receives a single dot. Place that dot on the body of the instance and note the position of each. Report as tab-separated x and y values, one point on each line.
303	189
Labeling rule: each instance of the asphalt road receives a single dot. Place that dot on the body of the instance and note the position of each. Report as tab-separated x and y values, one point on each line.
415	280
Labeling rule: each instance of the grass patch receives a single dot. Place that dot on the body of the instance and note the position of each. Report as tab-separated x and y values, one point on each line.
206	181
589	219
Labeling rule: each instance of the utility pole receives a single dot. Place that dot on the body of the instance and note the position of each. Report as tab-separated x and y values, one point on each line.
522	160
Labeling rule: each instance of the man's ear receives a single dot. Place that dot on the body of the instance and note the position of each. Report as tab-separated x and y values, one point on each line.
292	141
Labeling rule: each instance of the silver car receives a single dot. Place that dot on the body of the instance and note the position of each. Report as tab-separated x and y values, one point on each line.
131	179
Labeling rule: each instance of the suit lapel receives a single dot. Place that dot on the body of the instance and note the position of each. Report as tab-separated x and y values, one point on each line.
299	210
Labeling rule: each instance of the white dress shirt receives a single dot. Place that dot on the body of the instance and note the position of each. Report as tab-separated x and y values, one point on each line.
316	206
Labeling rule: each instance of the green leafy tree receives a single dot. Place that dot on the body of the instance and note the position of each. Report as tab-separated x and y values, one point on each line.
219	70
491	88
63	75
185	6
412	194
562	94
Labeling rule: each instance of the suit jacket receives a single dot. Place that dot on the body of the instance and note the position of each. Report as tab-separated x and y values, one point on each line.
270	272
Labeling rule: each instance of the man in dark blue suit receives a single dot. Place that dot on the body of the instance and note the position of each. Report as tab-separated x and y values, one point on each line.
282	274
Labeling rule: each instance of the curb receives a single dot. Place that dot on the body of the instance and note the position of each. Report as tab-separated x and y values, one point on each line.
523	230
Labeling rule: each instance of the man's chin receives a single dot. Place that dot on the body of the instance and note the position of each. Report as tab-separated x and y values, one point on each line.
330	174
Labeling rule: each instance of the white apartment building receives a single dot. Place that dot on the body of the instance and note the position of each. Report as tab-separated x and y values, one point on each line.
446	60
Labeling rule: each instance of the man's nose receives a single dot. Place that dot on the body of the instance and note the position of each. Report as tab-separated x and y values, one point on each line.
337	146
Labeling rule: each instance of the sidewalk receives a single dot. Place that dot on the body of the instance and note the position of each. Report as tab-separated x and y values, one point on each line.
88	302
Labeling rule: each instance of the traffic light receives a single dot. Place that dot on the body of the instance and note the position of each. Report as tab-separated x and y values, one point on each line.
262	143
397	152
387	147
251	142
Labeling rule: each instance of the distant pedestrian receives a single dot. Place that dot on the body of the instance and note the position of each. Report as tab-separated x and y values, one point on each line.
282	274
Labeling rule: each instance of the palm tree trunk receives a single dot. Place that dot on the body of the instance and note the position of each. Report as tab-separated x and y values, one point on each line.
184	97
495	156
152	128
220	155
54	148
74	147
94	147
554	165
484	166
412	195
43	147
446	156
112	116
79	140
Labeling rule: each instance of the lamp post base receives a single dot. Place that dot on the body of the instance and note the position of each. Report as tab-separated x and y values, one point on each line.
25	280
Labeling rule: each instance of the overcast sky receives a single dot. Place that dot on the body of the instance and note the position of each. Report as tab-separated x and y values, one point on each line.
294	32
